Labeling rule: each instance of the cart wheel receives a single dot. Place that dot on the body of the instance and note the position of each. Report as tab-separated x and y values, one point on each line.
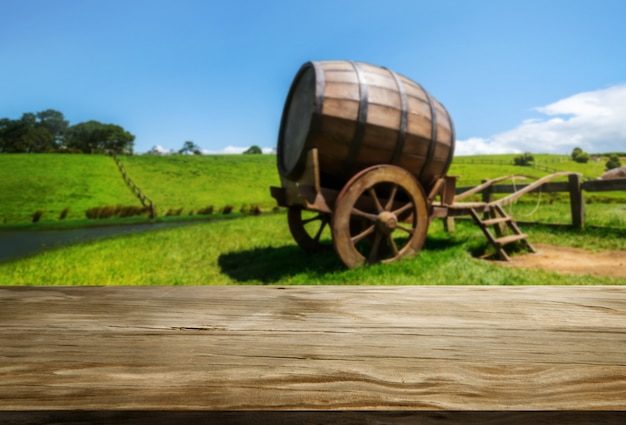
380	216
310	229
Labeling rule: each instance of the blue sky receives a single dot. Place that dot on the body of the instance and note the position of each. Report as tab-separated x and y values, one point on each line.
538	76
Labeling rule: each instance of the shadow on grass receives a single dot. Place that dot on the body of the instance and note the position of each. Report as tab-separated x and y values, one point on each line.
272	264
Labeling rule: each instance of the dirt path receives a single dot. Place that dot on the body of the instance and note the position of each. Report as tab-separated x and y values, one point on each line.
573	261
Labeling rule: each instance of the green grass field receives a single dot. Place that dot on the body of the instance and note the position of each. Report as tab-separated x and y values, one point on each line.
260	250
192	182
53	182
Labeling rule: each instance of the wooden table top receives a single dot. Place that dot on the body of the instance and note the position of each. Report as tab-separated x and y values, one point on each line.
325	347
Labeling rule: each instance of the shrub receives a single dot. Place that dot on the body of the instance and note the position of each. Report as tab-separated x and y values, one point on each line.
206	210
228	209
92	213
37	215
576	152
613	162
63	214
582	158
174	212
131	211
107	211
254	149
256	210
524	160
110	211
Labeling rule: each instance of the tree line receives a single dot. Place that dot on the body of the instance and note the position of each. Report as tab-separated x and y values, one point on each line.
49	132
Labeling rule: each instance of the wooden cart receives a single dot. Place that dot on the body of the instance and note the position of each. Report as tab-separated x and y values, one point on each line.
380	215
364	149
364	152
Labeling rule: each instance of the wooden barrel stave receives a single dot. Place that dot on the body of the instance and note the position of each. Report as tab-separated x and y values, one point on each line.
363	115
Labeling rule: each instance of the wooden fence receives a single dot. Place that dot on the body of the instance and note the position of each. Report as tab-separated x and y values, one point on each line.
145	201
537	165
575	186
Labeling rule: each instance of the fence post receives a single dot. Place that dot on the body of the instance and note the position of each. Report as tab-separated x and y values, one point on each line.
577	201
487	197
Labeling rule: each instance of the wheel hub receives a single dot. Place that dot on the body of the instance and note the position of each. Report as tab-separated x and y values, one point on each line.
387	222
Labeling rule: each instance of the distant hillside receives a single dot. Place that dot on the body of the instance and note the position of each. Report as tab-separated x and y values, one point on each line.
197	181
53	182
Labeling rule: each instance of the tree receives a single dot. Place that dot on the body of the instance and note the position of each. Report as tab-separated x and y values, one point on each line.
54	122
582	158
576	152
613	162
254	149
524	159
190	147
33	133
11	132
96	137
37	140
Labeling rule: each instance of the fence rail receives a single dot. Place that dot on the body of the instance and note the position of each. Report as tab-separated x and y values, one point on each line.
574	186
145	201
537	165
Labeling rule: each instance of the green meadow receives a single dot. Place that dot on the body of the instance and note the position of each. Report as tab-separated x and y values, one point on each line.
54	182
241	248
260	251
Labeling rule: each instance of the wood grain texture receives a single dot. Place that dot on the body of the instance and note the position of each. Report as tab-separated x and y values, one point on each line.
232	348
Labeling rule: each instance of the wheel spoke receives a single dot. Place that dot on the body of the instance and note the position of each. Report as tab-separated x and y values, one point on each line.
363	214
392	197
409	230
394	247
375	247
403	209
312	219
370	207
374	196
320	230
356	239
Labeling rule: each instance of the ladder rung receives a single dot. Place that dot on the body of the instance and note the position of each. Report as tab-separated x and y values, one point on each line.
496	220
511	238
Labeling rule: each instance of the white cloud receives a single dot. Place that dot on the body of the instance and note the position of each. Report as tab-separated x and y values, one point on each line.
230	149
594	121
160	149
233	149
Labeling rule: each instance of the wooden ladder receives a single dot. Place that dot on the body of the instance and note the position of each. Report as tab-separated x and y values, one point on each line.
500	220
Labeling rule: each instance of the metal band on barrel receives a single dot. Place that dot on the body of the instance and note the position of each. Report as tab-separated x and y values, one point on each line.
316	119
397	153
433	134
357	140
452	142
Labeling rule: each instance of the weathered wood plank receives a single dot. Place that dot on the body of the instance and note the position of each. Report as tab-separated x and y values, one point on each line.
604	185
232	348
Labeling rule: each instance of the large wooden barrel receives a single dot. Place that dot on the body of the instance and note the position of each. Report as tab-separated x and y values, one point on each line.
358	115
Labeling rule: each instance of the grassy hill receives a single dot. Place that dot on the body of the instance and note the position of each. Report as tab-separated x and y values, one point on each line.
192	182
54	182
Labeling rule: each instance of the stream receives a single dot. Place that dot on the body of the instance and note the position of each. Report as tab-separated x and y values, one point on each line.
16	244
